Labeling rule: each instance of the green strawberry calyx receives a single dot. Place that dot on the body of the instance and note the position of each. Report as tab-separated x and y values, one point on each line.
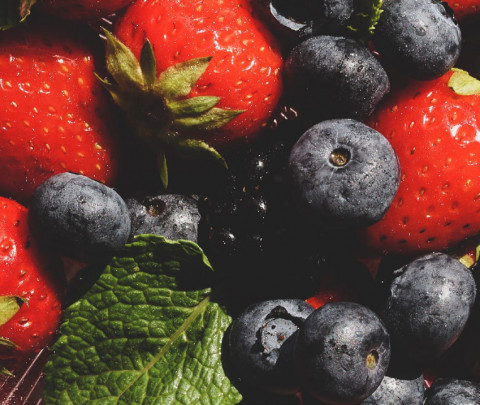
463	84
14	12
365	18
9	306
158	108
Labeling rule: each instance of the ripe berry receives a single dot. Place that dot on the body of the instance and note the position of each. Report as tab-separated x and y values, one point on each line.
342	352
429	303
261	343
173	216
79	217
398	391
418	37
346	173
335	77
450	391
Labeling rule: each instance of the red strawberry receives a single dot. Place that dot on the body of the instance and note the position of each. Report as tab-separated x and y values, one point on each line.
245	67
54	111
435	132
464	8
31	285
83	9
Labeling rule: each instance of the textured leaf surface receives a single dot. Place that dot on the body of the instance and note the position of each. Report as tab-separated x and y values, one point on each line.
146	333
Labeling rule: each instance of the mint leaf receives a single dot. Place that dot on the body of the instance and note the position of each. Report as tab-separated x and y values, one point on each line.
13	12
146	332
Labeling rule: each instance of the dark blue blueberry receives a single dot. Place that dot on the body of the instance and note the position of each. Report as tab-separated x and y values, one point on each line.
446	391
335	77
173	216
429	303
398	391
418	37
299	19
261	343
346	173
342	353
79	217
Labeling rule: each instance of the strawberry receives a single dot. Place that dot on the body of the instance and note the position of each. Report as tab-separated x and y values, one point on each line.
245	67
84	10
434	128
55	113
464	8
31	286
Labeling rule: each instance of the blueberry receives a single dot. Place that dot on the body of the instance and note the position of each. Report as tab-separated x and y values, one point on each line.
346	173
398	391
335	77
79	217
418	37
342	352
173	216
429	303
300	19
261	343
446	391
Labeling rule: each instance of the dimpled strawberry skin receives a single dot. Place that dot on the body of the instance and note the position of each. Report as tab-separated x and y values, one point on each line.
246	66
54	116
436	135
28	273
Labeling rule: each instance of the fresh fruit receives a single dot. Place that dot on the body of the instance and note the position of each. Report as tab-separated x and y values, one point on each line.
83	9
173	216
419	38
261	343
79	217
341	353
433	129
399	391
429	302
335	77
464	9
445	391
31	286
345	174
245	67
55	113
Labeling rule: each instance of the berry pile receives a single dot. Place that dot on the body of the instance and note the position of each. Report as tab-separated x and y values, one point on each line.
324	157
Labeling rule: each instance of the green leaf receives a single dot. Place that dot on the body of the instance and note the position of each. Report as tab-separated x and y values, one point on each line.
194	149
9	306
147	332
13	12
122	64
212	119
148	64
365	17
192	106
162	168
463	84
178	80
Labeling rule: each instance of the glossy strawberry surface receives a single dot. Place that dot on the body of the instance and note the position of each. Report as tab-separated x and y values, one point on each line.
245	71
31	274
436	135
54	112
464	8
